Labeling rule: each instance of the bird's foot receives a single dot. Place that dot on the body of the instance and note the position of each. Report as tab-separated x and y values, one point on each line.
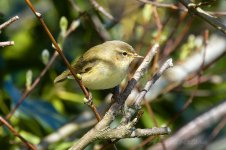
89	100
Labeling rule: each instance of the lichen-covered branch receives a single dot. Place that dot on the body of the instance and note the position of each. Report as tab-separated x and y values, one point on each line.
103	131
150	132
139	73
136	105
149	84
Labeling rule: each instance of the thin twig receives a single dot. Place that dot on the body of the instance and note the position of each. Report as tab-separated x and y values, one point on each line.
99	27
217	13
96	22
200	72
15	133
212	20
144	142
151	113
74	5
38	79
215	132
174	43
157	4
7	43
175	7
164	5
137	103
150	83
200	4
199	124
5	24
170	42
139	73
58	49
10	21
101	9
34	84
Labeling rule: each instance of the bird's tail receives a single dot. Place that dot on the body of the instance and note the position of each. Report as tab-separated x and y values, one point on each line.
61	77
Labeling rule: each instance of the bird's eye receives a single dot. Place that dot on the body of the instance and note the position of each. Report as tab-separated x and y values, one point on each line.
124	53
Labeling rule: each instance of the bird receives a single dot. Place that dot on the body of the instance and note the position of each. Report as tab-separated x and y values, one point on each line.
103	66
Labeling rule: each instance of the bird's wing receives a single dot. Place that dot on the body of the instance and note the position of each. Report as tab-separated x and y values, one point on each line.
61	77
84	65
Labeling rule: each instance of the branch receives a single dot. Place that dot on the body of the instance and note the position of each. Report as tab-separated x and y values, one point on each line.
175	7
10	21
67	130
103	131
219	127
193	128
101	9
7	43
157	4
5	24
139	73
150	132
124	131
175	76
136	105
72	27
212	20
99	27
15	133
34	84
150	83
58	49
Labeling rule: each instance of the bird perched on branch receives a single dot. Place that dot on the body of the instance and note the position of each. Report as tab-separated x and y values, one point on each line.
103	66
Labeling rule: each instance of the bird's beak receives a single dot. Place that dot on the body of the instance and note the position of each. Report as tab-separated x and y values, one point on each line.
137	56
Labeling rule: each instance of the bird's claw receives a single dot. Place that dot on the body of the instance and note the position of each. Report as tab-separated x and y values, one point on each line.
89	100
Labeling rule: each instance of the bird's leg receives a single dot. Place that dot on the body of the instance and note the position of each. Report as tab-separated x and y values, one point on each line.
89	100
116	94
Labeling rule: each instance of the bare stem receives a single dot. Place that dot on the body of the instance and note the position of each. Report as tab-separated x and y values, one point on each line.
164	5
101	9
150	83
7	43
30	146
10	21
58	49
34	84
212	20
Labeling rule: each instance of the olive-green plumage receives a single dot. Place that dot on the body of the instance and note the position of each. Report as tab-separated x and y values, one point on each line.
103	66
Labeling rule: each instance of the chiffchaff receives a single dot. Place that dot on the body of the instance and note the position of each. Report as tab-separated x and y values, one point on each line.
103	66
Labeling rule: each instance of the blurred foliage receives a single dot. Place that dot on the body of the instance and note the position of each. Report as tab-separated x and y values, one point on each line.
51	106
